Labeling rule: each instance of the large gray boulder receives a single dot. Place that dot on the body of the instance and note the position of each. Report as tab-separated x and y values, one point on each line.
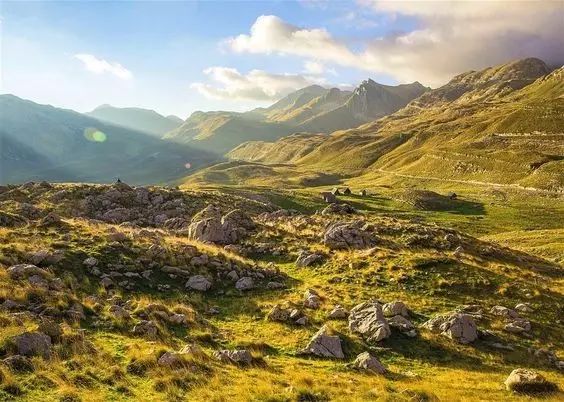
367	320
456	326
366	362
239	356
22	271
323	344
33	344
199	283
245	283
207	230
346	235
524	381
305	259
395	308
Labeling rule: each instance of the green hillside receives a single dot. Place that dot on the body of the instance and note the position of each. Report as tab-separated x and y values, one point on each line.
138	119
40	142
502	125
312	109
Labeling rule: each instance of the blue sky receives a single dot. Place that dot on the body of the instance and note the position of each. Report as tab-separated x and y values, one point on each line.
178	57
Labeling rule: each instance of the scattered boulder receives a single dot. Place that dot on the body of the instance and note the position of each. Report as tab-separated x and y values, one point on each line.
338	313
366	362
525	381
146	328
207	230
305	259
90	262
456	326
239	219
119	312
524	308
329	197
367	320
18	363
401	323
239	356
33	344
312	299
518	326
343	235
278	313
199	283
22	271
11	220
171	359
245	283
209	226
323	344
395	308
51	329
51	219
46	257
339	209
504	312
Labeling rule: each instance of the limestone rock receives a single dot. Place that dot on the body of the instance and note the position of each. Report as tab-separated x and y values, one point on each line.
338	313
305	259
395	308
33	344
323	344
367	320
366	362
457	326
504	312
526	381
245	283
239	356
312	299
344	235
21	271
199	283
146	328
278	314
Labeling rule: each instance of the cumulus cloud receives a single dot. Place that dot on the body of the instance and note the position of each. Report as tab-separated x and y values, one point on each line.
257	85
451	37
100	66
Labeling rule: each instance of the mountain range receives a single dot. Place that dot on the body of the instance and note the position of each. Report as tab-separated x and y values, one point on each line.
40	142
138	119
311	109
499	125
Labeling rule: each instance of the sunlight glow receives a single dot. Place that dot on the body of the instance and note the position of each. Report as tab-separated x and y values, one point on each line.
94	135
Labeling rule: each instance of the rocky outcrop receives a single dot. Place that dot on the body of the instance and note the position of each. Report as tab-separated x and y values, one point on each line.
367	320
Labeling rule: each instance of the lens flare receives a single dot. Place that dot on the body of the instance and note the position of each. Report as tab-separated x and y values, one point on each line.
188	165
94	135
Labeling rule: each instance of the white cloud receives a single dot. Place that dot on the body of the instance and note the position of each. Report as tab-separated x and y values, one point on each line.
257	85
451	37
101	66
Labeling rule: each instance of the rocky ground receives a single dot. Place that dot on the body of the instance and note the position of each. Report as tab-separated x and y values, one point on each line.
109	292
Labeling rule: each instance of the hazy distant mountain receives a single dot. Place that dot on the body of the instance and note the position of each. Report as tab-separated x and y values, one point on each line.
43	142
311	109
138	119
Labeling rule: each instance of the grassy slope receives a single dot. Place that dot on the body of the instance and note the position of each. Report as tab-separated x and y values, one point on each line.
425	368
